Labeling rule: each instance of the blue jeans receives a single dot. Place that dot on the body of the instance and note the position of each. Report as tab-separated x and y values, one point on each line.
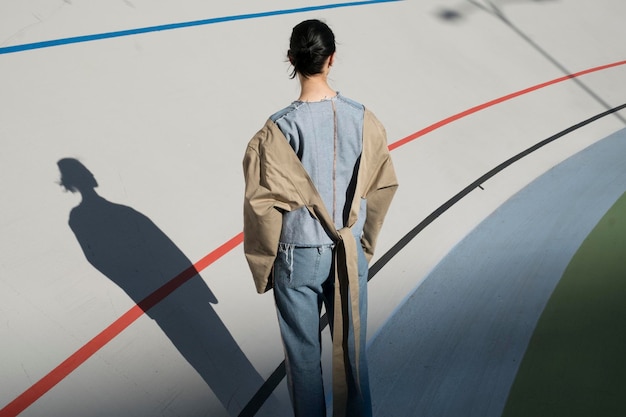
303	281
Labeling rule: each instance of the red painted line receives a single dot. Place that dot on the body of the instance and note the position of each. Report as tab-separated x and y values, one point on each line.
90	348
55	376
496	101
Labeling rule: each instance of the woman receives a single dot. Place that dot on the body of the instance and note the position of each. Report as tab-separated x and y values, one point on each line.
319	181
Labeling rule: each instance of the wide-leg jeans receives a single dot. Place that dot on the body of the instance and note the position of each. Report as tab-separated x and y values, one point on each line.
303	281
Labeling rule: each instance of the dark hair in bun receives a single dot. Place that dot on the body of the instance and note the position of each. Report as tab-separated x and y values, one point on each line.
311	43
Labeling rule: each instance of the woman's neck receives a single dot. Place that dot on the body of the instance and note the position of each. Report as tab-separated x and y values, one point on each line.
315	88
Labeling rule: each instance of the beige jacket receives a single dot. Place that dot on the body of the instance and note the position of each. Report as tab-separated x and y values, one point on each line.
276	181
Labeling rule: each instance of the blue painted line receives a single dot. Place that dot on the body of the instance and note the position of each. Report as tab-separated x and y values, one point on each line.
172	26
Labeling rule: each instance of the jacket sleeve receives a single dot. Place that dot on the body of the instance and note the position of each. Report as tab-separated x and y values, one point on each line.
382	185
262	221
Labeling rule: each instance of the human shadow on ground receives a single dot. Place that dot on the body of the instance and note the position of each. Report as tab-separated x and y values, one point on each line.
128	248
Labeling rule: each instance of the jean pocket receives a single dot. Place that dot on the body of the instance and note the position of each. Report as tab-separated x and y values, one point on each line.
298	266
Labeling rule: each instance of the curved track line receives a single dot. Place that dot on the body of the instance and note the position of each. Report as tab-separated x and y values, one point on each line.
498	101
384	259
55	376
171	26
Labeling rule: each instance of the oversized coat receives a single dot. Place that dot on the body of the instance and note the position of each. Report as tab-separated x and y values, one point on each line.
276	181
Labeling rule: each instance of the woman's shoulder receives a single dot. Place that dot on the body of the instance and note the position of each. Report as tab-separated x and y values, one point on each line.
350	102
284	112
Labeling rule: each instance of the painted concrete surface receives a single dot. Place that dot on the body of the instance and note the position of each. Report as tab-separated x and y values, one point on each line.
160	120
454	346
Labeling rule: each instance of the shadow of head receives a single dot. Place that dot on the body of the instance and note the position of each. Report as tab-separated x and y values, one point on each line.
75	176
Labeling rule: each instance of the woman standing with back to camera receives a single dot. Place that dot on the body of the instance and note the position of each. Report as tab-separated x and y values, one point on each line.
319	181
